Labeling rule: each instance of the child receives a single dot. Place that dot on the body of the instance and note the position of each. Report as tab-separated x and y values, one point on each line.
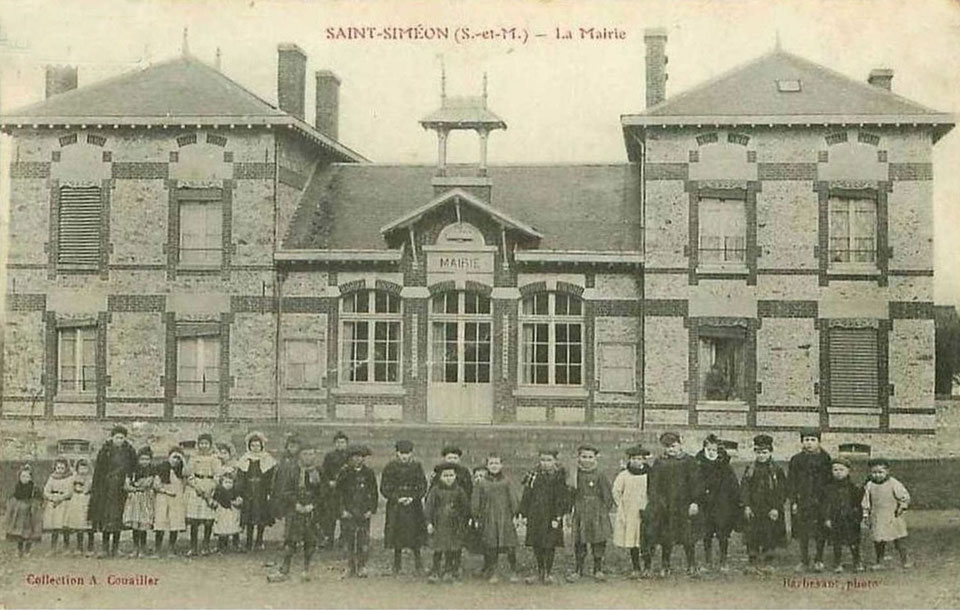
56	494
138	511
452	454
404	484
720	500
674	492
201	473
357	502
592	502
447	509
226	502
885	499
333	463
472	542
544	502
762	494
842	503
115	461
79	504
228	466
170	505
807	476
24	512
630	497
495	507
297	497
256	470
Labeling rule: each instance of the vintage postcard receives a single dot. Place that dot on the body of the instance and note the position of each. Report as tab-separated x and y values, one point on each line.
446	304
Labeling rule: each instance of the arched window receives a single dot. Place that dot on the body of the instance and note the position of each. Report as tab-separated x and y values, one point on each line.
551	338
370	331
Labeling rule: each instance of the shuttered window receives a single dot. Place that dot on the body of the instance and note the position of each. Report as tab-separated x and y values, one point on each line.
201	227
853	367
79	228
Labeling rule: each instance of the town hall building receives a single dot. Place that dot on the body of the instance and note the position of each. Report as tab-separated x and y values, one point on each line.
195	255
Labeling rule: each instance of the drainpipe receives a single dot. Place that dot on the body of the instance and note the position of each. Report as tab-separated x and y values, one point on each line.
276	280
643	280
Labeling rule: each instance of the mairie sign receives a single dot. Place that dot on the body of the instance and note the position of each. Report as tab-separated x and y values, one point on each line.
460	262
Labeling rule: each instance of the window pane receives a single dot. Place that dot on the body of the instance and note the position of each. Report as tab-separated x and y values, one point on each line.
350	303
721	368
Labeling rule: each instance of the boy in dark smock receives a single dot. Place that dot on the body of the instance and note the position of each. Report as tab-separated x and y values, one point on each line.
357	501
842	514
545	500
807	477
674	492
333	463
403	483
763	492
297	494
447	509
719	500
116	460
495	506
592	503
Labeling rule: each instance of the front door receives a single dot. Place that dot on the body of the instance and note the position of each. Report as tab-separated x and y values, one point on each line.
459	390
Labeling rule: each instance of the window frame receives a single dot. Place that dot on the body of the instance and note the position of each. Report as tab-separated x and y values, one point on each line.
460	318
552	320
373	319
101	230
706	334
200	359
737	265
871	266
82	387
205	203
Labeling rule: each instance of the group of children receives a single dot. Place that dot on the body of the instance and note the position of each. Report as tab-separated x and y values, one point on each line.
677	499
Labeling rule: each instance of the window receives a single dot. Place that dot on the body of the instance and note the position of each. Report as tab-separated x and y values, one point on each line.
552	339
723	232
721	364
789	85
198	361
78	237
853	367
302	369
371	336
201	227
77	350
461	337
853	231
617	367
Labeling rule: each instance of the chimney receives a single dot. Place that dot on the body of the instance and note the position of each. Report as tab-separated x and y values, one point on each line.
656	41
61	79
328	103
291	79
881	77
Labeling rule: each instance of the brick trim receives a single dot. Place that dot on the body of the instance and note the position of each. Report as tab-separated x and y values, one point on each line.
50	358
20	301
666	171
479	287
387	286
307	305
252	171
786	171
53	229
225	380
911	310
169	380
353	286
106	196
883	372
569	288
787	309
172	246
615	307
173	230
136	303
103	380
909	171
139	170
883	234
226	231
532	288
666	308
252	304
749	363
30	170
748	195
824	191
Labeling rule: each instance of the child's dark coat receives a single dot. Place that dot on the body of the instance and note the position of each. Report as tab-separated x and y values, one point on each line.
405	526
842	507
592	503
807	478
719	500
545	499
762	488
447	509
674	486
494	505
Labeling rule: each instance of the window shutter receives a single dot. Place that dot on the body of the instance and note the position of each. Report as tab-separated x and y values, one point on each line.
853	367
79	230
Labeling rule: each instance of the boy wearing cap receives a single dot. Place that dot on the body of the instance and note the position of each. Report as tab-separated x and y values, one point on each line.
297	495
447	510
808	474
333	462
720	499
674	492
630	496
842	510
358	498
544	501
592	503
763	494
404	484
452	454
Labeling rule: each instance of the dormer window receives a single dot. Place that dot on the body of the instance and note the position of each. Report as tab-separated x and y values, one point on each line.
789	85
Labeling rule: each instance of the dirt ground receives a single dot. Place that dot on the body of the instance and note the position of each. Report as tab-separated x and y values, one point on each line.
240	581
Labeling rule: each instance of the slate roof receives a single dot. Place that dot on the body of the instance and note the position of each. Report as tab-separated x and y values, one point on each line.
749	94
464	112
183	90
575	207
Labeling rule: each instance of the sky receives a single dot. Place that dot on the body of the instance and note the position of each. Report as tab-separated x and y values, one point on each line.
561	99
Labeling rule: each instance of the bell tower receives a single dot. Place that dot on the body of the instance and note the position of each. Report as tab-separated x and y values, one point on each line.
462	113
